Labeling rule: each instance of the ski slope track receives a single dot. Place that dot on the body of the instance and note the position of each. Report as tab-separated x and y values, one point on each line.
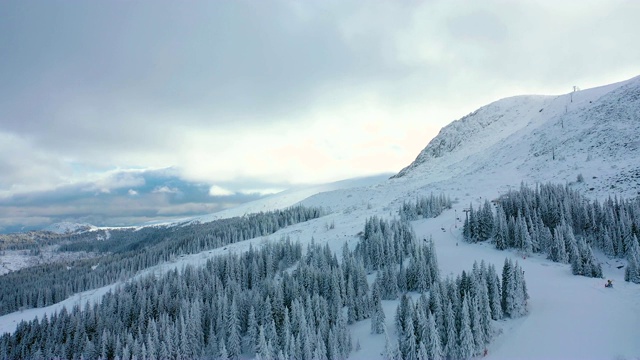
529	139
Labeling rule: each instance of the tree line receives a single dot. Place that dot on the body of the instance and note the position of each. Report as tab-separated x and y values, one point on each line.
424	207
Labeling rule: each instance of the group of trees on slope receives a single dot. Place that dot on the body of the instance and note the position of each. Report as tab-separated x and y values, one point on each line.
461	310
278	303
454	320
424	207
128	251
560	222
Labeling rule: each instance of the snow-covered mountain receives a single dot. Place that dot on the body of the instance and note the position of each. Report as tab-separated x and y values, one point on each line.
69	227
531	139
544	138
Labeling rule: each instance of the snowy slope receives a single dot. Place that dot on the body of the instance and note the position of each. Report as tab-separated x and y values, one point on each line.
287	198
591	132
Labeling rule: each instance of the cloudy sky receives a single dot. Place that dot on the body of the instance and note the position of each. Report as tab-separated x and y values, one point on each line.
118	112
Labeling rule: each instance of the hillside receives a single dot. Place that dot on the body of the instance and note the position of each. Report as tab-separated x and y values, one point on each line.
591	132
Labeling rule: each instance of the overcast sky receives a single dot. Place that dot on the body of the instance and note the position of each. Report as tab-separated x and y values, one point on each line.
104	103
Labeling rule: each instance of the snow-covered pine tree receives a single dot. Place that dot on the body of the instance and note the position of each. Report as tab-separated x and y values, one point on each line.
485	222
450	337
433	344
632	272
585	263
508	288
465	338
520	293
408	343
501	233
494	292
391	348
377	313
558	251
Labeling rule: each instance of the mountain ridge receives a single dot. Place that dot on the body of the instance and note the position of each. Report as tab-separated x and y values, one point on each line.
587	129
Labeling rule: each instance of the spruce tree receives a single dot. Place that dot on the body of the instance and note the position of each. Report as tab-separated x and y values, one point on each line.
451	334
632	272
377	313
409	346
391	348
465	339
433	345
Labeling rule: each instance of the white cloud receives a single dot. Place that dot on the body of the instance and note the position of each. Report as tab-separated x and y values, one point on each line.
132	192
165	190
216	190
261	192
115	179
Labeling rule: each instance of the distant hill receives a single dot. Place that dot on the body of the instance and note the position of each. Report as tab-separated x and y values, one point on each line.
69	228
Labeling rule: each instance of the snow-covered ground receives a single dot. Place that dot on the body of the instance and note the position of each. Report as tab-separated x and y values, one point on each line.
13	260
530	138
571	317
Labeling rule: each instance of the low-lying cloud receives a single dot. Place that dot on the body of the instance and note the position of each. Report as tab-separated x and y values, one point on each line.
146	196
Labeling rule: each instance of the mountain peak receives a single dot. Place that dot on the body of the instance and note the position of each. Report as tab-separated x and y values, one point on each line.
593	130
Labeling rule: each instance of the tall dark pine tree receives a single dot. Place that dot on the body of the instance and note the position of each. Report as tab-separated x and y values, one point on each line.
632	272
465	340
377	313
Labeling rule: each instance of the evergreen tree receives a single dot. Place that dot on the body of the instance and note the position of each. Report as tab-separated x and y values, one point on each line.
450	337
558	248
377	315
494	292
632	272
263	350
320	351
433	345
501	235
465	340
252	332
485	222
234	341
392	350
409	346
514	290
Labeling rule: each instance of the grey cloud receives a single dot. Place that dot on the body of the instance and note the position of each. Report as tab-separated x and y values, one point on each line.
215	57
544	44
161	195
479	26
107	83
118	84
